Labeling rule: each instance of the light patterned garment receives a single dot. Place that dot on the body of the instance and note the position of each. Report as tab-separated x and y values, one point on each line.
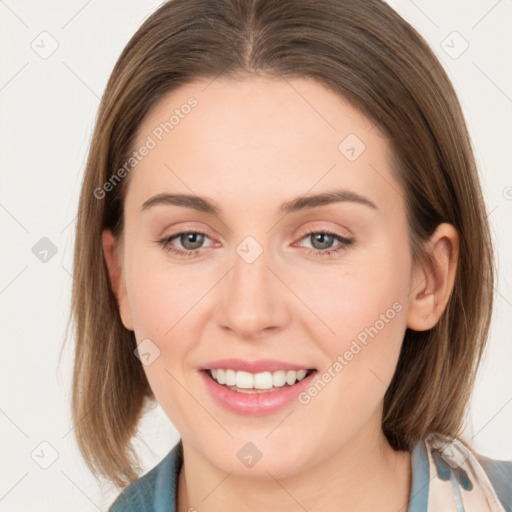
457	480
446	477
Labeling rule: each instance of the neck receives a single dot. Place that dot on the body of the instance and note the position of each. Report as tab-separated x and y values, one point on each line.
363	476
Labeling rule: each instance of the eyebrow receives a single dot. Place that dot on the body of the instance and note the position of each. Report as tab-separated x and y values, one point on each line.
298	204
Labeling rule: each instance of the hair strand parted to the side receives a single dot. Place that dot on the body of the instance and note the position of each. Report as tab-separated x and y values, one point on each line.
368	54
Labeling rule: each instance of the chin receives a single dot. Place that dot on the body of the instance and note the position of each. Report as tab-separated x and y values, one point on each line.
261	458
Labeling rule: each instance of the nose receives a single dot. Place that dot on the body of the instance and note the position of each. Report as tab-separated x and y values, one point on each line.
254	302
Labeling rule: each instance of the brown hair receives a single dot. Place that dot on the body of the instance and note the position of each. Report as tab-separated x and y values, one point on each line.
366	53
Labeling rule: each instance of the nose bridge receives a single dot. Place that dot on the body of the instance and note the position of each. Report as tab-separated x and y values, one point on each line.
254	300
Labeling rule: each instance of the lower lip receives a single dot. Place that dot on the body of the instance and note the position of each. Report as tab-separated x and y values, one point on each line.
255	404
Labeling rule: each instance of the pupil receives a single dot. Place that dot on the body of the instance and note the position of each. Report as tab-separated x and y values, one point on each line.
191	237
321	238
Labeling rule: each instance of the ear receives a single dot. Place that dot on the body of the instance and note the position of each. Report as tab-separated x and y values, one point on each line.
432	282
112	247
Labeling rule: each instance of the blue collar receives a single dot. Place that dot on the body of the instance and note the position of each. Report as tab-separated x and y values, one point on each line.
418	500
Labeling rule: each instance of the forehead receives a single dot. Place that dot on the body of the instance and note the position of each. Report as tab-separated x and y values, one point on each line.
262	137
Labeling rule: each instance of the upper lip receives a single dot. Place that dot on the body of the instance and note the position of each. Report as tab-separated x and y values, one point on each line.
257	366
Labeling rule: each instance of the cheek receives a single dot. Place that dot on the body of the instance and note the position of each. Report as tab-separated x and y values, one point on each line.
162	304
369	321
355	297
166	305
363	315
161	297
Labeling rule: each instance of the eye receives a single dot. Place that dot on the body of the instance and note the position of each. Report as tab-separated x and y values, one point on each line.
322	242
191	241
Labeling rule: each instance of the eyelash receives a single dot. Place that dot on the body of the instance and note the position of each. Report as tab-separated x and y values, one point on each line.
344	243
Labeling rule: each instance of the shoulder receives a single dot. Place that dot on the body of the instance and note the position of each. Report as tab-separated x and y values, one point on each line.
499	473
156	490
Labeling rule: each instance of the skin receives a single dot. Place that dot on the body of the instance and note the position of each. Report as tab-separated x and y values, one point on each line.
249	145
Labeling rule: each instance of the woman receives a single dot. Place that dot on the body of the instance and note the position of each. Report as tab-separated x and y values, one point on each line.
282	241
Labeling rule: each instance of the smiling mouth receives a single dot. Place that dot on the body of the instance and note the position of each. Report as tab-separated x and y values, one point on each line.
262	382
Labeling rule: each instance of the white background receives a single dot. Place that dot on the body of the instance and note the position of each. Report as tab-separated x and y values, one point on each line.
47	110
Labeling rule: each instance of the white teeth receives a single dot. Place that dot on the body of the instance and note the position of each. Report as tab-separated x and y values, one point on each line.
262	381
221	376
291	377
230	378
244	380
279	378
301	374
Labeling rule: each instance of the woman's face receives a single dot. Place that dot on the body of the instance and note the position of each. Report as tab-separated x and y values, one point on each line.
258	289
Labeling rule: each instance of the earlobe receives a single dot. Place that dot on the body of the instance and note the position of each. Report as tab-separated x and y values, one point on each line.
111	249
433	281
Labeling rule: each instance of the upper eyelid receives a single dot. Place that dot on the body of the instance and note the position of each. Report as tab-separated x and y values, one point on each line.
307	231
184	232
342	240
